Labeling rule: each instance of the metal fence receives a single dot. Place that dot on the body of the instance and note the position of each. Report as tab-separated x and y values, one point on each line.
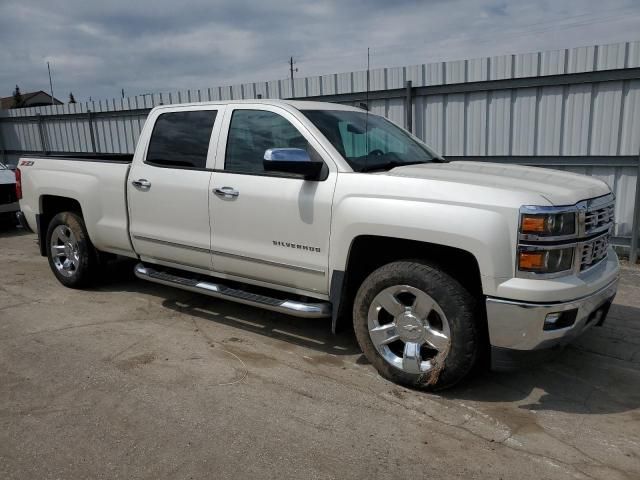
572	109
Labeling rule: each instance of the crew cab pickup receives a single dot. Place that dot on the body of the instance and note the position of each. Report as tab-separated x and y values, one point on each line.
324	210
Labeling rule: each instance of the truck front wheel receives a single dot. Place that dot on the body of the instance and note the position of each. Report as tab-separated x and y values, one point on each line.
72	256
417	325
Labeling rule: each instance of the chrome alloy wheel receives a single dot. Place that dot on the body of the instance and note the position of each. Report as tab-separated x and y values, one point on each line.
64	251
409	329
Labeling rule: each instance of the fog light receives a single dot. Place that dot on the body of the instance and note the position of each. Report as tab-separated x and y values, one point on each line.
557	320
552	318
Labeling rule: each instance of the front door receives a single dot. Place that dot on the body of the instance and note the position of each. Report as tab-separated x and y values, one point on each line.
168	191
268	227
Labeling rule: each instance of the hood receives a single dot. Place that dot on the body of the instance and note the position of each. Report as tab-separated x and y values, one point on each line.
557	186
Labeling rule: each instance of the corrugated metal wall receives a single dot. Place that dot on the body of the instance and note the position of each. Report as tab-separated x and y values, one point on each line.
577	109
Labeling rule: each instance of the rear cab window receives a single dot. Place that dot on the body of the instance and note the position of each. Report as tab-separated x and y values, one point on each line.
181	139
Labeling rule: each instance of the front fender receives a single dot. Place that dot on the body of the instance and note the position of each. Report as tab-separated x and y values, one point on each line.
485	233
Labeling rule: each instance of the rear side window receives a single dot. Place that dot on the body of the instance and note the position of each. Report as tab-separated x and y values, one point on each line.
181	139
251	133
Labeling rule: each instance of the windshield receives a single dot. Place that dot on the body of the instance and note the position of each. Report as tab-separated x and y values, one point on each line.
2	167
369	142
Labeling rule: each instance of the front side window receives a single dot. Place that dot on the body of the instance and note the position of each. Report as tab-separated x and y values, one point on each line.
369	142
181	139
251	133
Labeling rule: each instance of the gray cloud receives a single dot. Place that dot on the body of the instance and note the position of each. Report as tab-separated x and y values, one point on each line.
145	45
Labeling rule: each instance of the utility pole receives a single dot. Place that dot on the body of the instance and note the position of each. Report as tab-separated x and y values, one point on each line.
291	70
50	82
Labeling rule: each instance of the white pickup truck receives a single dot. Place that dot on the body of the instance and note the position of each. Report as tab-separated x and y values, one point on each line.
323	210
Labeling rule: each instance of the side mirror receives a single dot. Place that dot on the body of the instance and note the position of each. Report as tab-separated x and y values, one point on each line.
11	167
296	161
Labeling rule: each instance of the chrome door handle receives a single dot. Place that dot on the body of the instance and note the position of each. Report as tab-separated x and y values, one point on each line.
142	184
226	192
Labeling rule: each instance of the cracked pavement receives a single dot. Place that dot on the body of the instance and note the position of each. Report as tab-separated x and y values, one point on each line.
136	380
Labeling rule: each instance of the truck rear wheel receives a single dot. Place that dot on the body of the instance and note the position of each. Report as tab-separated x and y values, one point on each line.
72	256
417	325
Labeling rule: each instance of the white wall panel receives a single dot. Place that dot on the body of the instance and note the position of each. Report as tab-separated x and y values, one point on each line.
344	83
360	81
395	77
576	120
499	123
434	74
415	74
549	121
477	69
454	125
455	71
605	118
610	57
524	122
501	67
526	65
581	59
630	135
476	119
433	121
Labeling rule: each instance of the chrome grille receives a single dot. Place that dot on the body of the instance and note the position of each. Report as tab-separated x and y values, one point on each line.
593	251
598	219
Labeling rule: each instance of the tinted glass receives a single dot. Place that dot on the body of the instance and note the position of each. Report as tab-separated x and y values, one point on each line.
368	141
254	131
181	139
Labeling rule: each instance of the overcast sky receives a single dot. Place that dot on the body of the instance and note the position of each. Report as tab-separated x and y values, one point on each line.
96	48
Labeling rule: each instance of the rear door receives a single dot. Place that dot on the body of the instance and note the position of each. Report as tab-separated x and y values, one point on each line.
268	227
168	192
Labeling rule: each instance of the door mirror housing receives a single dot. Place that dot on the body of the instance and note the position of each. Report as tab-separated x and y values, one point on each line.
295	161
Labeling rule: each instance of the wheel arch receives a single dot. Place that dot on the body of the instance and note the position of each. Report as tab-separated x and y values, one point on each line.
369	252
49	207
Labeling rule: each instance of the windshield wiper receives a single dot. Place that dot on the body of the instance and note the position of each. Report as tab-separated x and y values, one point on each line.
388	165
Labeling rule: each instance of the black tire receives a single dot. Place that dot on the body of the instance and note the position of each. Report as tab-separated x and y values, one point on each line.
458	306
87	259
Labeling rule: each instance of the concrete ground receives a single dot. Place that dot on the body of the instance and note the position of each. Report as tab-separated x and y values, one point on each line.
135	380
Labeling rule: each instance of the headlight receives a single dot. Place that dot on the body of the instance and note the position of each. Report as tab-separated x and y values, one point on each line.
540	260
548	224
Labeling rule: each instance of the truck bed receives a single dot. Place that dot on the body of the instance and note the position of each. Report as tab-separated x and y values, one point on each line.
96	182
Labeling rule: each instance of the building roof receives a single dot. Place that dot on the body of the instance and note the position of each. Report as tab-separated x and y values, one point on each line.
28	100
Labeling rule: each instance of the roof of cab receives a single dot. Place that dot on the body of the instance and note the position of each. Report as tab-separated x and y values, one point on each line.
297	104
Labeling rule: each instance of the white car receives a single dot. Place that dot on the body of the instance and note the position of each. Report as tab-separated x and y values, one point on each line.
317	210
8	198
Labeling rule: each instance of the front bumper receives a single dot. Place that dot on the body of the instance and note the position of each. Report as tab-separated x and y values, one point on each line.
9	207
516	329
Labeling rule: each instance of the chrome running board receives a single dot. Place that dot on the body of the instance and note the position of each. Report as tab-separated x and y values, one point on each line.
217	290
